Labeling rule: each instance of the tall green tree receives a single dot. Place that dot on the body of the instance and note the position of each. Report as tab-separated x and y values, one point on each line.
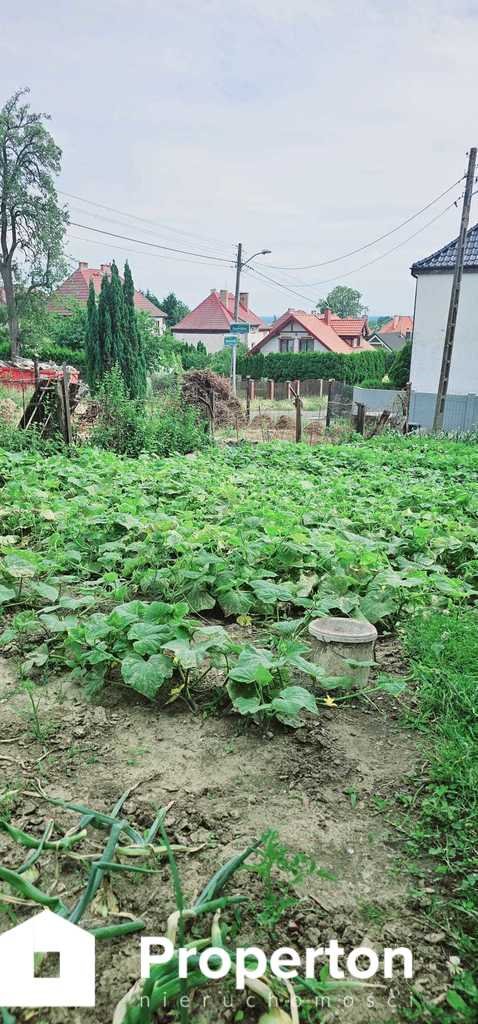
92	341
106	347
343	301
116	302
133	364
174	308
32	223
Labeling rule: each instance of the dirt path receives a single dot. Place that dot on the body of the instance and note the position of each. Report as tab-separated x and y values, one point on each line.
322	788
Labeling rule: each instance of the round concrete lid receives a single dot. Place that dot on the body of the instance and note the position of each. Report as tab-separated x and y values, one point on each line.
333	629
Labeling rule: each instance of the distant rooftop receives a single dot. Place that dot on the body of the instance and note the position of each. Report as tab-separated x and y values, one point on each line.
77	284
443	261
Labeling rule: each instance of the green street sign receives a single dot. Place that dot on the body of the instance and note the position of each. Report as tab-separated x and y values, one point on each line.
230	340
240	328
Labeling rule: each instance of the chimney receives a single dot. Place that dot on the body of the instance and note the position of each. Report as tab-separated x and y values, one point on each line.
244	299
327	315
82	265
223	295
105	268
213	291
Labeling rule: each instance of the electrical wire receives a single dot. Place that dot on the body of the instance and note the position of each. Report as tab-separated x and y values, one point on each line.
349	273
137	252
361	248
153	245
143	220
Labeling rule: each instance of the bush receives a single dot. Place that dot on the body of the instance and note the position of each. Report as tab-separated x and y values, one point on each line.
399	371
375	382
14	440
129	428
314	365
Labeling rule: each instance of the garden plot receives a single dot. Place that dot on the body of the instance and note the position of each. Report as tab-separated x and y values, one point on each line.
156	617
320	789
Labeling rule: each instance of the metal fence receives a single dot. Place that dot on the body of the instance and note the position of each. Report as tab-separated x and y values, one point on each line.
461	412
340	403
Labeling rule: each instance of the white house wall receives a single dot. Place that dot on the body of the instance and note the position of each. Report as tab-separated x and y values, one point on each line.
215	342
433	298
274	346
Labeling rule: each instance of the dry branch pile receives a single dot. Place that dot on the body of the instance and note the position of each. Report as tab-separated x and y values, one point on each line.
212	396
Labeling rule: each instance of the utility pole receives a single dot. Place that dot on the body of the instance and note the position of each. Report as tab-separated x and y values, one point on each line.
236	312
455	296
239	265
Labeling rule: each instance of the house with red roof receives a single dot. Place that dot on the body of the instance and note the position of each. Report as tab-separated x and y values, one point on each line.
211	320
298	331
76	288
394	334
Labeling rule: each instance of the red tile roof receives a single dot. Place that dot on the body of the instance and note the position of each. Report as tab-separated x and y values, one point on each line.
315	325
214	314
397	325
348	327
77	284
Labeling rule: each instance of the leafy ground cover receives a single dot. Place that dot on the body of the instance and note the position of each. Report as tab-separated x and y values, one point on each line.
444	653
112	566
160	574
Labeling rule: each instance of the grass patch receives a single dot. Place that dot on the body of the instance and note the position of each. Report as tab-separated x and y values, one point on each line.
444	653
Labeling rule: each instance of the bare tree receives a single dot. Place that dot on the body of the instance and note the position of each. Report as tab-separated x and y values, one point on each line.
32	223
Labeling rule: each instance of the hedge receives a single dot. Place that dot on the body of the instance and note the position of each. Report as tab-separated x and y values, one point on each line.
314	365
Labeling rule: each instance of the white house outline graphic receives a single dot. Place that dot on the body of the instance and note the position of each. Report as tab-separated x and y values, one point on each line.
47	933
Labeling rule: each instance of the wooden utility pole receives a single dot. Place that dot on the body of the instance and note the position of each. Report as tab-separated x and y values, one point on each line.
236	313
455	295
294	394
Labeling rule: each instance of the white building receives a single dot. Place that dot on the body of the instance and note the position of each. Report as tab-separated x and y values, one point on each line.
211	321
298	331
434	277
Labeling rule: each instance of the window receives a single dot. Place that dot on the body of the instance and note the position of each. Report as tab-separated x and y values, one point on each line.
306	345
285	345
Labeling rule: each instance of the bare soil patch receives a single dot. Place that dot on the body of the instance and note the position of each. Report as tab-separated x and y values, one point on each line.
320	788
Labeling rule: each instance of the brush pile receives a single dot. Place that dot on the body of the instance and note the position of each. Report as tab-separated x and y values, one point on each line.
212	395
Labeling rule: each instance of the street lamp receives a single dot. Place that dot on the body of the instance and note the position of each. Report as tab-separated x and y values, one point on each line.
240	263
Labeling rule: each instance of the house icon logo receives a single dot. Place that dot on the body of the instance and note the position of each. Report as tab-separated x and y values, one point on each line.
74	984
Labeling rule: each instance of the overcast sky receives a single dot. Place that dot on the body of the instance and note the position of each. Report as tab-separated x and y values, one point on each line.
308	128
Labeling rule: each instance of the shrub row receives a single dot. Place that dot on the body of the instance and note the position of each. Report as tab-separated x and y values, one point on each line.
351	368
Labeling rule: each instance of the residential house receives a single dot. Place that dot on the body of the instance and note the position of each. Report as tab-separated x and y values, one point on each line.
434	276
77	285
394	334
211	320
298	331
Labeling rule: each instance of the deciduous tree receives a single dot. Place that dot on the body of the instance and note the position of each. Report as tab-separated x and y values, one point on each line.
32	223
343	301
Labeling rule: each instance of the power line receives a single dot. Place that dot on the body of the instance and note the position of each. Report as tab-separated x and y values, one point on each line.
353	252
153	245
137	252
122	223
143	220
349	273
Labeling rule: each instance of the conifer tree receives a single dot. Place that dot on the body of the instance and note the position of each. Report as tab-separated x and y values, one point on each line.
133	362
92	345
116	306
106	352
